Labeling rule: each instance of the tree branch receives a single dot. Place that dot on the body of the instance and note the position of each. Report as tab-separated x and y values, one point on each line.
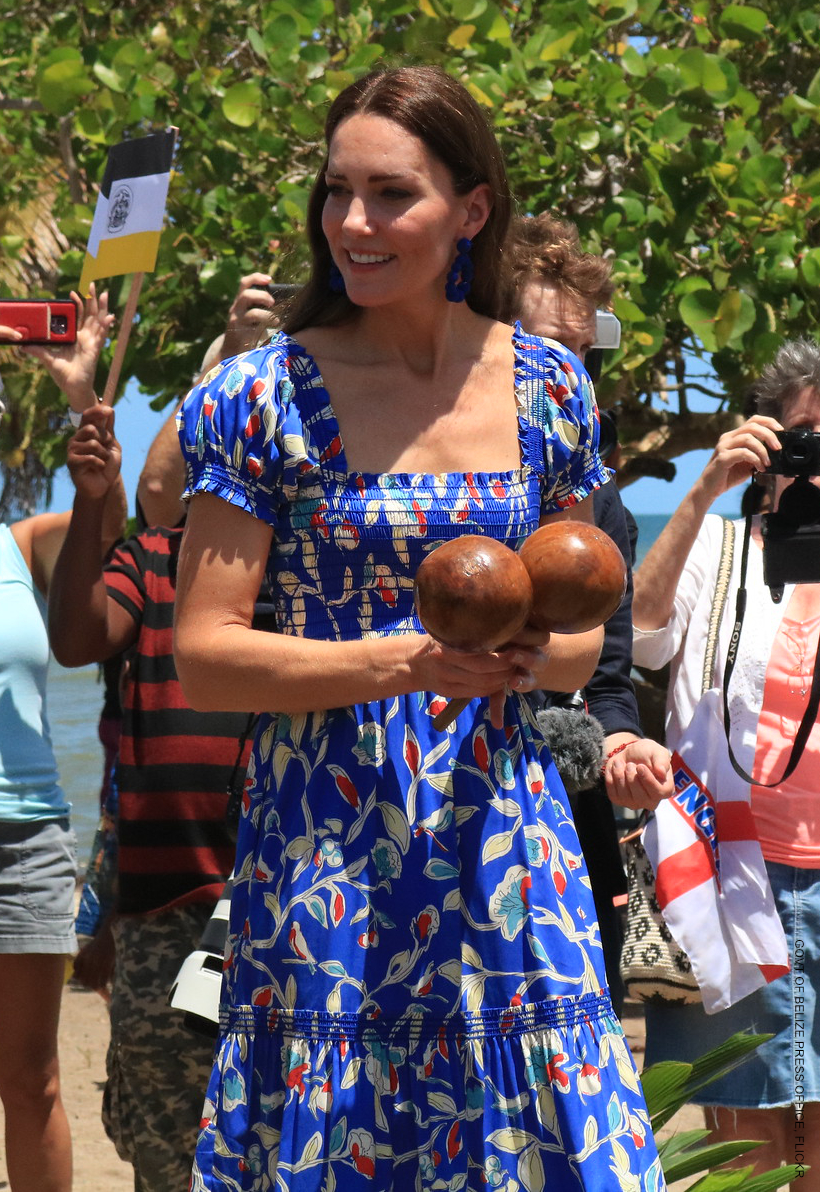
20	105
75	182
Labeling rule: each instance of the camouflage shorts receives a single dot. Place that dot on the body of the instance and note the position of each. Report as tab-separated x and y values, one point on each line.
157	1067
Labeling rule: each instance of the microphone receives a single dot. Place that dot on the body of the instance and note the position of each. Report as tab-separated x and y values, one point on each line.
576	742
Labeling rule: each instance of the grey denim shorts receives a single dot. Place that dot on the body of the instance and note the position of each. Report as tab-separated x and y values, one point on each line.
38	874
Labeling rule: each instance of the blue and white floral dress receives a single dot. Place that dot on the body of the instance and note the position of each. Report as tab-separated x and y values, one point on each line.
414	995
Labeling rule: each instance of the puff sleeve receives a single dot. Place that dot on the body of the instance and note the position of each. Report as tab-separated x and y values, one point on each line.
241	435
558	401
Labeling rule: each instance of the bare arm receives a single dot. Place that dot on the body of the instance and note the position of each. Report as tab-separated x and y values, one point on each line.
162	479
224	664
85	624
738	453
41	538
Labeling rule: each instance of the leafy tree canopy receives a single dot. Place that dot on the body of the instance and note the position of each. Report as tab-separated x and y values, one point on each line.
683	139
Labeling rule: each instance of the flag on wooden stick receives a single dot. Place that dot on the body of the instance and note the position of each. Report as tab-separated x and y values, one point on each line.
130	208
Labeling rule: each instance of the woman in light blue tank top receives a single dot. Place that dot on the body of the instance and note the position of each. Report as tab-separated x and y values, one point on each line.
37	850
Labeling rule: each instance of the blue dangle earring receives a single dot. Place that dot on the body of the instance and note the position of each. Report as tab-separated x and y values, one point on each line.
336	281
460	277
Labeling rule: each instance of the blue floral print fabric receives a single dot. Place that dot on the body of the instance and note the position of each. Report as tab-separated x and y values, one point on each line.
414	995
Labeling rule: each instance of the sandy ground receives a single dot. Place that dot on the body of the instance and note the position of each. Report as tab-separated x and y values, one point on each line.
83	1040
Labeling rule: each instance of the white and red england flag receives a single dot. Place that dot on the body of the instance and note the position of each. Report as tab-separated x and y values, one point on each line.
710	877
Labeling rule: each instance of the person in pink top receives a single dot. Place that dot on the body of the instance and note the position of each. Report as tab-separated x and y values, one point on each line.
774	1096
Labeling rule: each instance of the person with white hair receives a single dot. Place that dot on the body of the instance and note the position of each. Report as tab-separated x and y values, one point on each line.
775	1095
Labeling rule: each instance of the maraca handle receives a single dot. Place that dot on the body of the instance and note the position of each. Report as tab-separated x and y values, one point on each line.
443	719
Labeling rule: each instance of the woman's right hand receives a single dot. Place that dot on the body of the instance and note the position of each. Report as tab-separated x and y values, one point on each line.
739	452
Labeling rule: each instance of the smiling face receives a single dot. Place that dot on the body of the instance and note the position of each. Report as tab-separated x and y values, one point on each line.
392	217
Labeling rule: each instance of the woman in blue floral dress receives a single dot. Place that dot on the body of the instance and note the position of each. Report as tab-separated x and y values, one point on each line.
414	995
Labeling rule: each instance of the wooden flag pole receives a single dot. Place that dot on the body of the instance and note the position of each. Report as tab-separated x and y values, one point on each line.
128	317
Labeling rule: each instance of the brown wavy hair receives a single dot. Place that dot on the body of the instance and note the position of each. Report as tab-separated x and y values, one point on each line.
434	107
546	249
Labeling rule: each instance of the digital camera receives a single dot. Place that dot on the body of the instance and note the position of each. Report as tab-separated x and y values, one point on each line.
791	535
799	453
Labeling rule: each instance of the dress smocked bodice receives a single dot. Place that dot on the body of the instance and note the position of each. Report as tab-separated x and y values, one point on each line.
347	545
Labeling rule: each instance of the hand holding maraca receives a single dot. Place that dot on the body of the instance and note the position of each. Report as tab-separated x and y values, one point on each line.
473	593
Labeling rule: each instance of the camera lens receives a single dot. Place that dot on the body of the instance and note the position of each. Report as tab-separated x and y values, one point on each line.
59	324
798	449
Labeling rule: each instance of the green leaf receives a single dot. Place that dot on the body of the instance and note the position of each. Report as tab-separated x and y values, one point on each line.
62	81
626	310
774	1179
699	312
461	37
281	37
242	104
703	1158
588	137
813	89
735	315
707	72
743	21
109	77
762	174
468	10
669	1085
671	126
679	1142
810	268
622	10
559	48
258	43
633	63
740	1179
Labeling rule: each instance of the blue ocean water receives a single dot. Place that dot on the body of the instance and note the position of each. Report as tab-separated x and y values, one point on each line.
75	699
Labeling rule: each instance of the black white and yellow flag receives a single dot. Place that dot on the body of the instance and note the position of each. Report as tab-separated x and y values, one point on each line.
130	209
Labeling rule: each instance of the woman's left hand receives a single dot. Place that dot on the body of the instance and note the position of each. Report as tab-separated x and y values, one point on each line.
94	455
639	775
74	366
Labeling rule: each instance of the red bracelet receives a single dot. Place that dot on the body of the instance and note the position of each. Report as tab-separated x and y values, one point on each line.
613	752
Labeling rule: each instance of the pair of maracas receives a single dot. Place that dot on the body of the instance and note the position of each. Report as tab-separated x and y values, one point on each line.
475	594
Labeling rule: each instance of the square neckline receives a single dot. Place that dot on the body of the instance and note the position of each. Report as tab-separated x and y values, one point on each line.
314	388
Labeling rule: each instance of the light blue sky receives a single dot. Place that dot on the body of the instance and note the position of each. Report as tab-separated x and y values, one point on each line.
137	424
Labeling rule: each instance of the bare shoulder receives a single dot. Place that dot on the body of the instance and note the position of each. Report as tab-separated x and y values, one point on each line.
39	540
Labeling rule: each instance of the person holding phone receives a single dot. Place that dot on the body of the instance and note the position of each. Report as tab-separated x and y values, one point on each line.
414	991
37	849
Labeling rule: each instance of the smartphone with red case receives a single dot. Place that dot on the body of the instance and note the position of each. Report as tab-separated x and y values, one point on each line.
40	320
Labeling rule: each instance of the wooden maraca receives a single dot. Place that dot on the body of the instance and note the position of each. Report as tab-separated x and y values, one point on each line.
473	594
577	579
578	576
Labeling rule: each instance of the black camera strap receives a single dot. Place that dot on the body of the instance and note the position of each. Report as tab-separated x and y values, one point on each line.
810	714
